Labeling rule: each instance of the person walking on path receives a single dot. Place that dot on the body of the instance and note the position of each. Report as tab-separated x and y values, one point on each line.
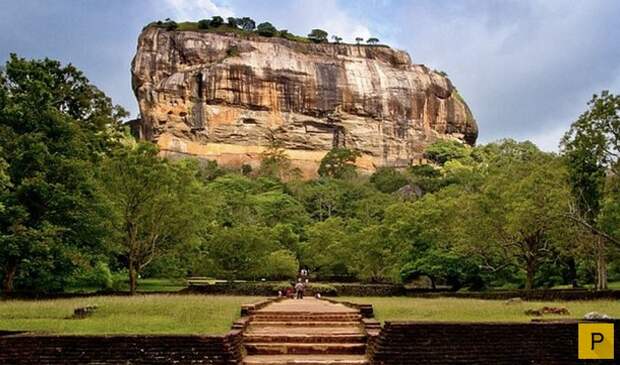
299	289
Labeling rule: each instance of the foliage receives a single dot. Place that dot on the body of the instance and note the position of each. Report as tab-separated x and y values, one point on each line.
216	21
280	265
339	163
266	29
442	151
204	24
388	180
372	40
54	127
246	23
318	36
591	149
156	204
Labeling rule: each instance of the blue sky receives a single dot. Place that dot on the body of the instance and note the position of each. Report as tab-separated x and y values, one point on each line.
525	67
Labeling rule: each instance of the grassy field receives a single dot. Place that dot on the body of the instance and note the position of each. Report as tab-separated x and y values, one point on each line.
150	314
454	309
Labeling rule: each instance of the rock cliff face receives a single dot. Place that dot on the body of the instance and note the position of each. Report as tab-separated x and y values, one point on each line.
226	97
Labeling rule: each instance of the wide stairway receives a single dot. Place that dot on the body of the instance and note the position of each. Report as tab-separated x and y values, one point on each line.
305	332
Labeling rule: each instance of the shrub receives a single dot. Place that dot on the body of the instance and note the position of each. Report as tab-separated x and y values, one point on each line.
266	29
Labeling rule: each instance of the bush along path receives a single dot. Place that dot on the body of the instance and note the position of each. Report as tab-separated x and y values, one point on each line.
306	332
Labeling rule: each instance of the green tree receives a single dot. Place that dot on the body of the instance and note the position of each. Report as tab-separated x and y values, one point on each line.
204	24
327	249
442	151
266	29
339	163
388	179
232	22
280	265
318	36
54	126
359	40
337	39
276	163
517	218
246	23
238	252
216	21
372	40
591	148
156	204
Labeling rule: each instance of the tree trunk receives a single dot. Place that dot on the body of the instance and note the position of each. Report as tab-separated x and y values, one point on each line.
531	272
133	277
9	277
601	265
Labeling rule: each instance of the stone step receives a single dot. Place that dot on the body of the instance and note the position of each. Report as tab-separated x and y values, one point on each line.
307	323
305	360
286	348
303	338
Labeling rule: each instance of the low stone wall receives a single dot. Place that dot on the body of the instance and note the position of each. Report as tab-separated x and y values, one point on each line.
47	349
536	294
442	343
272	288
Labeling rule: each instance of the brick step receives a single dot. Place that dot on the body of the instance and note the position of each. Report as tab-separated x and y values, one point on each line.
307	317
285	348
305	360
305	330
304	338
307	323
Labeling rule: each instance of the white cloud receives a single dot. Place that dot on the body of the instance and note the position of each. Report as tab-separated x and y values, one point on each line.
197	9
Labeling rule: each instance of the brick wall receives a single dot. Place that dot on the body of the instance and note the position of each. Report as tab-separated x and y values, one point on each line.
46	349
441	343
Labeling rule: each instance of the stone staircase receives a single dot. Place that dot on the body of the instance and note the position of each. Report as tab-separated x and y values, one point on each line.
305	332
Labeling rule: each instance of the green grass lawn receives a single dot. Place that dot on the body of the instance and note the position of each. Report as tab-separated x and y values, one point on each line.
151	314
455	309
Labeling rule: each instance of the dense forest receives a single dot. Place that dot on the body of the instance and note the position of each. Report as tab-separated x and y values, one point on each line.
83	203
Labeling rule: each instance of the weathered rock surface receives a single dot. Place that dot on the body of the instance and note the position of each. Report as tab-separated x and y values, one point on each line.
225	97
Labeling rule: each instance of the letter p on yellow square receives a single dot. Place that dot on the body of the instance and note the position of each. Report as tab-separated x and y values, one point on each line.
596	341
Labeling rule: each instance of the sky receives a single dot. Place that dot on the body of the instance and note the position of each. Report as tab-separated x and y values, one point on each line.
527	68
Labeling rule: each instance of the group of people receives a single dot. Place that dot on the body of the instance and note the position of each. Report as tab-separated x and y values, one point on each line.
297	289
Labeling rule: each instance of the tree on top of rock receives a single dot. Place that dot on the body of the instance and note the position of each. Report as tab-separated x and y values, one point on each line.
372	40
266	29
318	36
246	23
216	21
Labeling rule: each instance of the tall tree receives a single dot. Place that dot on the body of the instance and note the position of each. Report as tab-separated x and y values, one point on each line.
517	217
592	148
339	163
156	204
54	127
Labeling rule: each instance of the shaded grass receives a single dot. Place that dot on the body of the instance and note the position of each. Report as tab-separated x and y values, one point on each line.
476	310
152	314
144	286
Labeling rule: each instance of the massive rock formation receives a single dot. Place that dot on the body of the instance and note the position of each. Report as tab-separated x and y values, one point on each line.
228	97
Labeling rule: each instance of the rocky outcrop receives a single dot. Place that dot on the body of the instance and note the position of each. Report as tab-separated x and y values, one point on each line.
228	97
